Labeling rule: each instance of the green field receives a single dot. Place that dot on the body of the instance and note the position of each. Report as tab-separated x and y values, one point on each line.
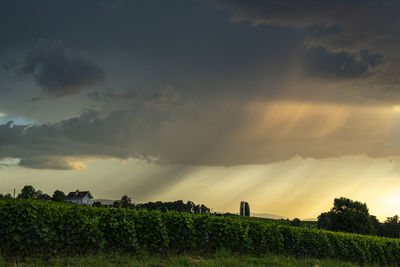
61	232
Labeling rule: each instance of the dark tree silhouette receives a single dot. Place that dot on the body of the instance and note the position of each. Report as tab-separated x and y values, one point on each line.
324	220
178	205
42	196
59	196
125	201
29	191
348	216
116	204
296	222
390	227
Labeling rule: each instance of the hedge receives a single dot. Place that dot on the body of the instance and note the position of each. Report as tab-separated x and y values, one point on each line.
29	227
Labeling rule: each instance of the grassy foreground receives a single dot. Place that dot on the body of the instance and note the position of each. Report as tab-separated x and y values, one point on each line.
218	259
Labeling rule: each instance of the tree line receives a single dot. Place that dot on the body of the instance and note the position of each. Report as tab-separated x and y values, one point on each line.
29	192
179	205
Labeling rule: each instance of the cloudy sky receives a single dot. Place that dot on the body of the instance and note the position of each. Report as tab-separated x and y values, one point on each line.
285	104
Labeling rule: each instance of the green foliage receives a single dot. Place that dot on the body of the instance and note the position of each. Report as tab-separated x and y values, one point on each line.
59	196
8	196
125	201
390	228
97	204
178	205
347	216
296	222
29	191
30	227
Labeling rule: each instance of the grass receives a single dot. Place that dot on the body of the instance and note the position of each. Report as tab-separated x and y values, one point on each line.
221	258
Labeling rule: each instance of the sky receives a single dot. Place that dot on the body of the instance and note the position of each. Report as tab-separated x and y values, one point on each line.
284	104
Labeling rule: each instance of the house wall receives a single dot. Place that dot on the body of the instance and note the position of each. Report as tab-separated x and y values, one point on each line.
75	201
82	201
87	201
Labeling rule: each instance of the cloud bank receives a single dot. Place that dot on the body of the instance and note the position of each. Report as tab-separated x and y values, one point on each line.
258	133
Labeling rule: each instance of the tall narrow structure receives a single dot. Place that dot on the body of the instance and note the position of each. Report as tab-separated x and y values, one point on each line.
241	208
244	208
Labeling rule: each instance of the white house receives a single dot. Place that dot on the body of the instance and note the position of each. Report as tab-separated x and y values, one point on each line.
80	197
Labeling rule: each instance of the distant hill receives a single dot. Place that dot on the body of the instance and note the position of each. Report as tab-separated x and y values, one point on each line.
310	219
278	217
268	216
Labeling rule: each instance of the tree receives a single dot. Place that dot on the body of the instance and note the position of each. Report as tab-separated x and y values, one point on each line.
204	209
190	206
324	220
349	216
116	204
391	227
392	220
296	222
59	196
28	191
42	196
125	201
377	225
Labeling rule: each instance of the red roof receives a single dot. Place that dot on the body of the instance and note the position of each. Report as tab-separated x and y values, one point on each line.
78	194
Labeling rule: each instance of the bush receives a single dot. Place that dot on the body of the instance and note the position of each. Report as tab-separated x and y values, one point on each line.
296	222
30	227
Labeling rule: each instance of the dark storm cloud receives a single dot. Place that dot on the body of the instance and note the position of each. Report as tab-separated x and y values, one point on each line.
372	59
4	91
344	38
112	3
319	61
107	96
340	24
312	12
58	71
9	64
222	67
318	31
163	97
